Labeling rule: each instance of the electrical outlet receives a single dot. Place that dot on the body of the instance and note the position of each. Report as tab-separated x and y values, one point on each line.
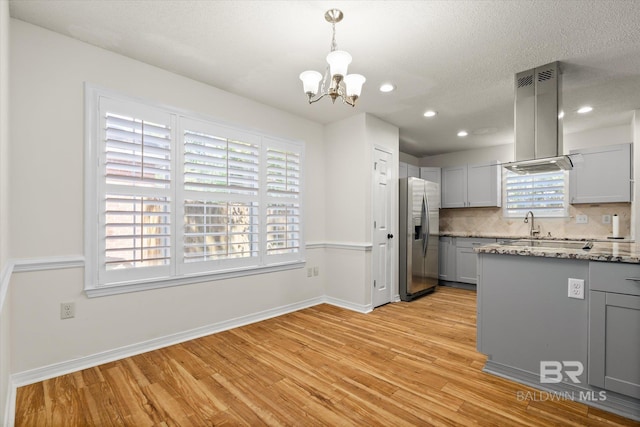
582	219
67	310
309	272
576	288
606	219
316	271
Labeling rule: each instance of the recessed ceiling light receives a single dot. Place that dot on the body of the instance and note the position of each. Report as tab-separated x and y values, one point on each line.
387	87
430	113
585	109
463	133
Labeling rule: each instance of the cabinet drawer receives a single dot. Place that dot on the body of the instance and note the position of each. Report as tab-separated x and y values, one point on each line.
615	277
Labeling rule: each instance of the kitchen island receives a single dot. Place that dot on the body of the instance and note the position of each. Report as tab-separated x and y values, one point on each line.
564	320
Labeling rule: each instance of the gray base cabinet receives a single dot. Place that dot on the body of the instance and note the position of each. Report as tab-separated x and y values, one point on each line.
447	259
614	328
458	260
466	259
525	315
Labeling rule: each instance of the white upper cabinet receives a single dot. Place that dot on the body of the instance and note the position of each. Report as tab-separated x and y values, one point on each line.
603	175
470	186
413	171
430	174
454	187
408	171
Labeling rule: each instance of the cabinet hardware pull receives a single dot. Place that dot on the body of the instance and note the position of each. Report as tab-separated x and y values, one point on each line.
633	279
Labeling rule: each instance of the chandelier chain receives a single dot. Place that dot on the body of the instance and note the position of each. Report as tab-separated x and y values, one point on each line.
334	45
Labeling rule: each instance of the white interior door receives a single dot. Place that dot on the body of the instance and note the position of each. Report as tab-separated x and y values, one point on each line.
383	239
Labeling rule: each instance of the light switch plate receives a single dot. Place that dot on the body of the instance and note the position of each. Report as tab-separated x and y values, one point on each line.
606	219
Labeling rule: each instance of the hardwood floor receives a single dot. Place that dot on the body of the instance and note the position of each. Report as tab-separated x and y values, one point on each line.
403	364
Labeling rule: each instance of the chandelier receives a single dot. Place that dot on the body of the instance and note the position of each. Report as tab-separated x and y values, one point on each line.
335	81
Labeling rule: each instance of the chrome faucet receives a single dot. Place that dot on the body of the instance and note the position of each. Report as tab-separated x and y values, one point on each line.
532	231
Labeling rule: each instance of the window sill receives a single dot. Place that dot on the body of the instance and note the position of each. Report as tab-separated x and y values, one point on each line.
123	288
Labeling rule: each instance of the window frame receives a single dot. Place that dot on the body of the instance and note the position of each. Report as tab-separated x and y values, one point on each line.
557	213
178	272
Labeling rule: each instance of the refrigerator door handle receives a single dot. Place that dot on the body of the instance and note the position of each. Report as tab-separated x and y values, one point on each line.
425	228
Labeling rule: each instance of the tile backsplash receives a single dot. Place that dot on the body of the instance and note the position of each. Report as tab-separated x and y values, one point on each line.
491	222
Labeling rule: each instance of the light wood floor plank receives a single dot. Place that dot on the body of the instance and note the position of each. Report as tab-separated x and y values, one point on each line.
412	364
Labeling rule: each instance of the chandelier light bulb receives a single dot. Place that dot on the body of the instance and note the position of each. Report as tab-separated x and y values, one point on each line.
353	84
310	81
339	61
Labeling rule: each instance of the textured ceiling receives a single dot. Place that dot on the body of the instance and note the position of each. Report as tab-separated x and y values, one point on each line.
456	57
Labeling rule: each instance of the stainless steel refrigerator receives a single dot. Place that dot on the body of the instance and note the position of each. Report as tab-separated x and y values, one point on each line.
419	237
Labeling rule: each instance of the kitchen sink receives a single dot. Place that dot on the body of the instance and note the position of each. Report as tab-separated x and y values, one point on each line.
564	244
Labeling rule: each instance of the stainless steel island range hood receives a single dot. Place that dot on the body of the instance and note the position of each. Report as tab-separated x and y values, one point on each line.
538	121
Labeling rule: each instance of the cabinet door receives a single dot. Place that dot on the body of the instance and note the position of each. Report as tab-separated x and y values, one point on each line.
483	185
413	171
447	259
430	174
603	175
614	342
466	269
454	187
466	259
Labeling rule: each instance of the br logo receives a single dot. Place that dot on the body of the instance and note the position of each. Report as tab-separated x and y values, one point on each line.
552	371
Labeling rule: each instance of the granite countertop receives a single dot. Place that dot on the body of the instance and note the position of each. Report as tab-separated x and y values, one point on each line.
602	251
503	236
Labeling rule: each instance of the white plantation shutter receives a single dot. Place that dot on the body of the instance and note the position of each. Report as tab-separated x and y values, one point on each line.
172	199
283	231
136	181
542	193
138	231
213	163
220	230
221	197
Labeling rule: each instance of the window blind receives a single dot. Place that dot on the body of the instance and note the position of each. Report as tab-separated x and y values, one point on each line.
137	176
542	193
221	198
283	207
216	164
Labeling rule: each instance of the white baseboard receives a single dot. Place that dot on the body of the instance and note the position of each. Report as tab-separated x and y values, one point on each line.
40	374
360	308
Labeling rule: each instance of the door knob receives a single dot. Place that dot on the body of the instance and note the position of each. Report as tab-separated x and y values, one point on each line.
389	236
